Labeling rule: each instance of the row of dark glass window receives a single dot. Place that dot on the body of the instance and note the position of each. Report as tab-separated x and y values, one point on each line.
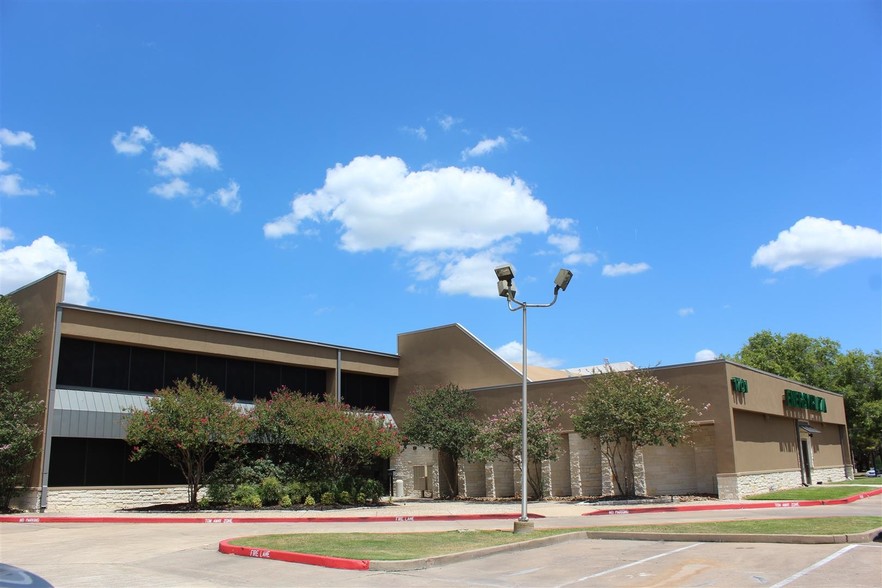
105	462
91	364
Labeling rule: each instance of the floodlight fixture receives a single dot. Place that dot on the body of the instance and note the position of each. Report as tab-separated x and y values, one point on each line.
505	273
562	280
506	289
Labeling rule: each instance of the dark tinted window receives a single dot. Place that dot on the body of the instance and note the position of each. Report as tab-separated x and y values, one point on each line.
146	369
111	366
316	383
105	462
367	392
75	362
266	379
178	366
240	379
294	378
213	369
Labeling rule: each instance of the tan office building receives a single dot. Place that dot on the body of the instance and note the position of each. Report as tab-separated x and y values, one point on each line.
760	431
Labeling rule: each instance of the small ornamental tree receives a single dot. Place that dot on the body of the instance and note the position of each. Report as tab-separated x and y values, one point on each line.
328	439
18	409
188	424
501	436
627	410
443	419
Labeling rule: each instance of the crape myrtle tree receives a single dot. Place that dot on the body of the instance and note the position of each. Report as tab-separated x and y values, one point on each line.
322	439
443	419
18	409
501	436
190	424
819	362
628	410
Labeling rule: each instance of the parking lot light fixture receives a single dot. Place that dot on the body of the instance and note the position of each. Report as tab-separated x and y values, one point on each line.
506	287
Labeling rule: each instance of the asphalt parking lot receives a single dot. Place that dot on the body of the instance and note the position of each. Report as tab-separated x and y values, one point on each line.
178	554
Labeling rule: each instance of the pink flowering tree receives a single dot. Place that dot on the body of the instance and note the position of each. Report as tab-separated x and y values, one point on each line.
189	424
501	436
328	439
627	410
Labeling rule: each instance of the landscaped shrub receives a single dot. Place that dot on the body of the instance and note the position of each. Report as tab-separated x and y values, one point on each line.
285	502
344	497
360	498
270	490
254	472
310	501
295	492
328	499
372	490
247	496
219	493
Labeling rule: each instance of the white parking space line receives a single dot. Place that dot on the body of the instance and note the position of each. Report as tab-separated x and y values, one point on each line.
815	566
628	565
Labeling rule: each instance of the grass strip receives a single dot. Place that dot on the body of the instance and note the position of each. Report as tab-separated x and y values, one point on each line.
811	493
391	546
403	546
800	526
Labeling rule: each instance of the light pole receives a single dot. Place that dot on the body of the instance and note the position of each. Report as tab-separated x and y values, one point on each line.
507	289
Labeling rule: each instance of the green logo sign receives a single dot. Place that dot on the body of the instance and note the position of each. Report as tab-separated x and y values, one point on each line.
739	385
803	400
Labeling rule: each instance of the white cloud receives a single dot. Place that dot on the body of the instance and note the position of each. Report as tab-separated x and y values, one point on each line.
705	355
174	162
447	122
570	244
10	184
566	243
17	139
577	258
24	264
183	159
818	243
381	204
132	143
172	189
686	311
623	269
228	197
6	234
519	135
514	352
484	147
473	274
418	132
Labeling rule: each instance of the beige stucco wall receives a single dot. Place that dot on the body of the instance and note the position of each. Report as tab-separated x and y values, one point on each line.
37	304
141	331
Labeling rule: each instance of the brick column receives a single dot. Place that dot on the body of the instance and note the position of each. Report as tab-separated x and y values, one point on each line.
575	464
461	479
490	480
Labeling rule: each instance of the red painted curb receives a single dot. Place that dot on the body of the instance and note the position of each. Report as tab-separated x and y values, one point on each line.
740	506
340	563
229	520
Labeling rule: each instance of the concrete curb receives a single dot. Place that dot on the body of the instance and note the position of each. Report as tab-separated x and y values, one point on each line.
232	520
736	506
865	537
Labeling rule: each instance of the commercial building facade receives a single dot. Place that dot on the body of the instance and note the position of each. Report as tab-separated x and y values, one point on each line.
758	432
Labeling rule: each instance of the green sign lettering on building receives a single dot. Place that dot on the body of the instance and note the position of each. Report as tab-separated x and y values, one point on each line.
796	399
739	385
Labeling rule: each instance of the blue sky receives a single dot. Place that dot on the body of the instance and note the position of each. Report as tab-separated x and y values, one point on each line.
346	171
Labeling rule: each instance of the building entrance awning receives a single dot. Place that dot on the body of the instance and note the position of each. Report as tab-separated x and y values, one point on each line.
808	428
